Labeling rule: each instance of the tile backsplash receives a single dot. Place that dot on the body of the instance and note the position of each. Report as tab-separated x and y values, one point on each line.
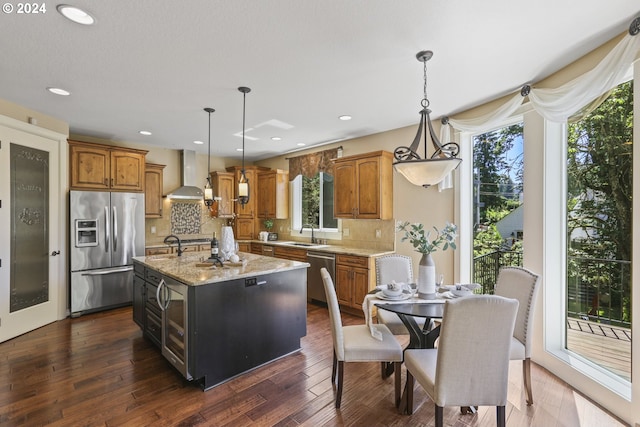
185	218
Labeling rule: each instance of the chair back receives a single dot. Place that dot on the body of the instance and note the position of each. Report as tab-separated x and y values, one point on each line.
473	353
393	267
521	284
334	314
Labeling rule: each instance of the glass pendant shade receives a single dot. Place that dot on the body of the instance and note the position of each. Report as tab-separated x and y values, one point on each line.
426	172
208	194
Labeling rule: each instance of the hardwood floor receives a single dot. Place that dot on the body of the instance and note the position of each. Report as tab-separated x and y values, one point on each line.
98	370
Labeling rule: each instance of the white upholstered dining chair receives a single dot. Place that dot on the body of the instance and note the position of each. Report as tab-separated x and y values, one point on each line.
398	268
470	367
521	284
354	343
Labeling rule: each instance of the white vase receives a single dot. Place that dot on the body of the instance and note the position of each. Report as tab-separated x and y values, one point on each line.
227	242
427	277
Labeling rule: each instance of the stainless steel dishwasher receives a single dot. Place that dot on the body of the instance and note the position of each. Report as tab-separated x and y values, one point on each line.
315	287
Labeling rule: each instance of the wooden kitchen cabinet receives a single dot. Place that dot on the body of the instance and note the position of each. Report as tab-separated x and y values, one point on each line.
273	194
354	279
244	247
107	168
223	187
293	254
243	229
165	250
363	186
153	188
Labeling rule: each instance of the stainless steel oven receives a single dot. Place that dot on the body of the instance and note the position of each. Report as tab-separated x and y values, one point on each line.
318	260
172	298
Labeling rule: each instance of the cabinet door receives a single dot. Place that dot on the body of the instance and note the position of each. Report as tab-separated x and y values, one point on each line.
138	301
266	195
127	171
153	191
244	247
222	183
344	190
244	229
360	286
368	188
90	167
344	280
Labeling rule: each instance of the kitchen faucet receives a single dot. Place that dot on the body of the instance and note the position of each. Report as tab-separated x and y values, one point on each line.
313	238
176	239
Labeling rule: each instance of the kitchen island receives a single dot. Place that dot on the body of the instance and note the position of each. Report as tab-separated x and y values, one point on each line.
213	323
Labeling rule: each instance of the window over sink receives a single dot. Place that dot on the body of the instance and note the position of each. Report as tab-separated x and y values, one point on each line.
312	205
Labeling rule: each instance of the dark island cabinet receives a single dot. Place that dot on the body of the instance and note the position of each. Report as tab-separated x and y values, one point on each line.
234	326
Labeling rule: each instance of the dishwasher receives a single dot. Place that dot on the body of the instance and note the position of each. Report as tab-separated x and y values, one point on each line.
315	287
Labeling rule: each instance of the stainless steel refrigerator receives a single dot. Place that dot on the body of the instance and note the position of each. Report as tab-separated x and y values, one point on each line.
107	230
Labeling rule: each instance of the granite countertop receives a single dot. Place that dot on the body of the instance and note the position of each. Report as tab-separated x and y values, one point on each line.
183	268
333	249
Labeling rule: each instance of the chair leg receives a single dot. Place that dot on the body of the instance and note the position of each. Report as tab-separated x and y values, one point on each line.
526	375
397	367
386	369
340	378
501	415
333	368
439	416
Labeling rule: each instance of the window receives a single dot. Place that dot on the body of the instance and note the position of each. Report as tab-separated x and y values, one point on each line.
599	231
312	203
497	199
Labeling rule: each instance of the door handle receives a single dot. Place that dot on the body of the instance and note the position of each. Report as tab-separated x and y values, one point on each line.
54	253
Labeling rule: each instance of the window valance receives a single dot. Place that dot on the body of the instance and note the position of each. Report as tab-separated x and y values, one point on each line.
310	164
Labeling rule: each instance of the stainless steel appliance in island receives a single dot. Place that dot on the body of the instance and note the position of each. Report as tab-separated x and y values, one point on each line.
107	230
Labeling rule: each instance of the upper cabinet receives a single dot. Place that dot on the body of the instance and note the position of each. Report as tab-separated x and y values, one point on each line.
222	184
363	186
104	167
153	190
273	194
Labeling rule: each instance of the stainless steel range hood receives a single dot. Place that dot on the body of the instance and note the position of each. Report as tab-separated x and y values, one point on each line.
188	190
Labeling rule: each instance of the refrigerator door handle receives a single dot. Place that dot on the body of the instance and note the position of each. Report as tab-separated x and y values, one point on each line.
106	229
103	272
115	229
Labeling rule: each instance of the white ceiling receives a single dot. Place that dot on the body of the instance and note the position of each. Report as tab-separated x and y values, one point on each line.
155	64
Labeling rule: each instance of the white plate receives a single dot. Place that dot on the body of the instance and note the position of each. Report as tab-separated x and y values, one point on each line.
400	297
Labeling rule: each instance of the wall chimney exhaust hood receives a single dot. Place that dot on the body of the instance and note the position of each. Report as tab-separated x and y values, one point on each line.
188	190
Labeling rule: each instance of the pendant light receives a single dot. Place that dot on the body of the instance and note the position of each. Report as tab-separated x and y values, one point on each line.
208	190
428	170
243	182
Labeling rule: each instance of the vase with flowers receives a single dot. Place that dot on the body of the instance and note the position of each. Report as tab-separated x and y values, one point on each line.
426	242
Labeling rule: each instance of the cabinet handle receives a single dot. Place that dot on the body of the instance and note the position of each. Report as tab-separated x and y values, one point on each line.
106	181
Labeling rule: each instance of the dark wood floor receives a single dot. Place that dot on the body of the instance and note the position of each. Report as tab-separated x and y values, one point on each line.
98	370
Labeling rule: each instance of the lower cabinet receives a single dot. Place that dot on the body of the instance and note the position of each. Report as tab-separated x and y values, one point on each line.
354	279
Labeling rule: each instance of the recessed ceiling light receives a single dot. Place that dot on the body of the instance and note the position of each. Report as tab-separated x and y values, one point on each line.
59	91
276	138
198	142
144	132
301	144
239	149
345	117
75	14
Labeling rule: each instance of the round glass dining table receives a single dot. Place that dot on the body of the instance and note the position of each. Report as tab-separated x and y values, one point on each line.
419	337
